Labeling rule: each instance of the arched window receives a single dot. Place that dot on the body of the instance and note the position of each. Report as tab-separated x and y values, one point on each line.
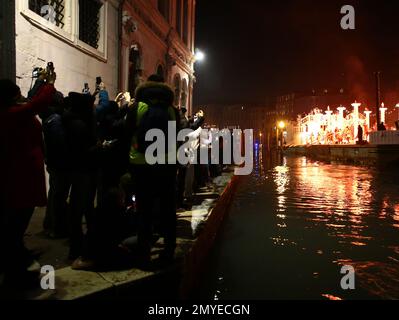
135	69
184	93
160	71
177	86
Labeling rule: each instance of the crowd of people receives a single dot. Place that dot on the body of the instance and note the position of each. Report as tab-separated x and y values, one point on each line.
102	195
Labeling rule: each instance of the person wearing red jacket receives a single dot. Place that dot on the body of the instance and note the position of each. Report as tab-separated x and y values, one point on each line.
22	182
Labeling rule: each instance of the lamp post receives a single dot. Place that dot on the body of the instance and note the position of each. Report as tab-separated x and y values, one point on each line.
397	107
281	126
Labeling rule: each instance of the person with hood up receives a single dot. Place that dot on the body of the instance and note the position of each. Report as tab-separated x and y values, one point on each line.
156	184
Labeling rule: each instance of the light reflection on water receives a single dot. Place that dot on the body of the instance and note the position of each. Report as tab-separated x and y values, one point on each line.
295	221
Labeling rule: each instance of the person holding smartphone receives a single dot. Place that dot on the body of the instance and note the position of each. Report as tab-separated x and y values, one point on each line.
22	183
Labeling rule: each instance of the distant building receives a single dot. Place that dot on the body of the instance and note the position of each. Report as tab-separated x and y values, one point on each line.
240	116
291	105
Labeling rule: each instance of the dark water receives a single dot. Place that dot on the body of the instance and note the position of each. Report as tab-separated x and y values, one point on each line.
295	222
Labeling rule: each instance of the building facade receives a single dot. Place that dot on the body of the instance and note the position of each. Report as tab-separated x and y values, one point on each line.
79	36
289	106
121	41
158	37
258	118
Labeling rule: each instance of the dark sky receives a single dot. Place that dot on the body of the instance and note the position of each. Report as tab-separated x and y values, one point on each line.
261	48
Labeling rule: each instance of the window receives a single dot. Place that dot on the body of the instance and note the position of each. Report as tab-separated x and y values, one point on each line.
176	83
179	5
160	71
51	10
89	22
81	23
135	69
163	8
185	22
184	93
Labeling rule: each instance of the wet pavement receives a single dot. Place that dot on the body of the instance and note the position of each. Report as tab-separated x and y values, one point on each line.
295	222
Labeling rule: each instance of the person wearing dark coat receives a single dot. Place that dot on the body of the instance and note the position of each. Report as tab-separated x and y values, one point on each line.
110	223
156	184
80	129
22	183
55	222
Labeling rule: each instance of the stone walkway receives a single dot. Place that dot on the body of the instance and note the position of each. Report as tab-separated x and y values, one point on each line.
71	284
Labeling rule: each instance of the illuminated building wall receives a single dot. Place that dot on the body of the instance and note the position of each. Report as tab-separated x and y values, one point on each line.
80	37
158	37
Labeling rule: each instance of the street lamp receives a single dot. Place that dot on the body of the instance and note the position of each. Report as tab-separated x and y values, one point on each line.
199	56
281	126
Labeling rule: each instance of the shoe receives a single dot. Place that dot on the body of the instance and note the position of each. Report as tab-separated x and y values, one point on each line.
74	254
34	267
83	264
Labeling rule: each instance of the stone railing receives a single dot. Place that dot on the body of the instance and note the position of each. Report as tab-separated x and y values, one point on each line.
384	137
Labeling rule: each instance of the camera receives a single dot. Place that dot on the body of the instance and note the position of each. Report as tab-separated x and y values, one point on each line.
86	89
98	82
50	68
37	72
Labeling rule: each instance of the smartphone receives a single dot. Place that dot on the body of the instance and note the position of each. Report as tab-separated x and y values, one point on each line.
50	67
98	82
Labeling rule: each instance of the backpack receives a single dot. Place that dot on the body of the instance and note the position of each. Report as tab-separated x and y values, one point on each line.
54	135
156	117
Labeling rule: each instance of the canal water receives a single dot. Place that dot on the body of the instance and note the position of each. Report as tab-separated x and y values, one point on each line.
295	222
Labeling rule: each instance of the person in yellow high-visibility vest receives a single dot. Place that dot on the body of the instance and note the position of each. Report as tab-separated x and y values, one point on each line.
155	184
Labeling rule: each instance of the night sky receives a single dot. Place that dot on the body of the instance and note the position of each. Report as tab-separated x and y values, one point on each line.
260	49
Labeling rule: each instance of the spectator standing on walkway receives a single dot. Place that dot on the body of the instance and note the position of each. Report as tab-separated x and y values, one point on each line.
80	128
194	124
22	183
155	183
56	157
